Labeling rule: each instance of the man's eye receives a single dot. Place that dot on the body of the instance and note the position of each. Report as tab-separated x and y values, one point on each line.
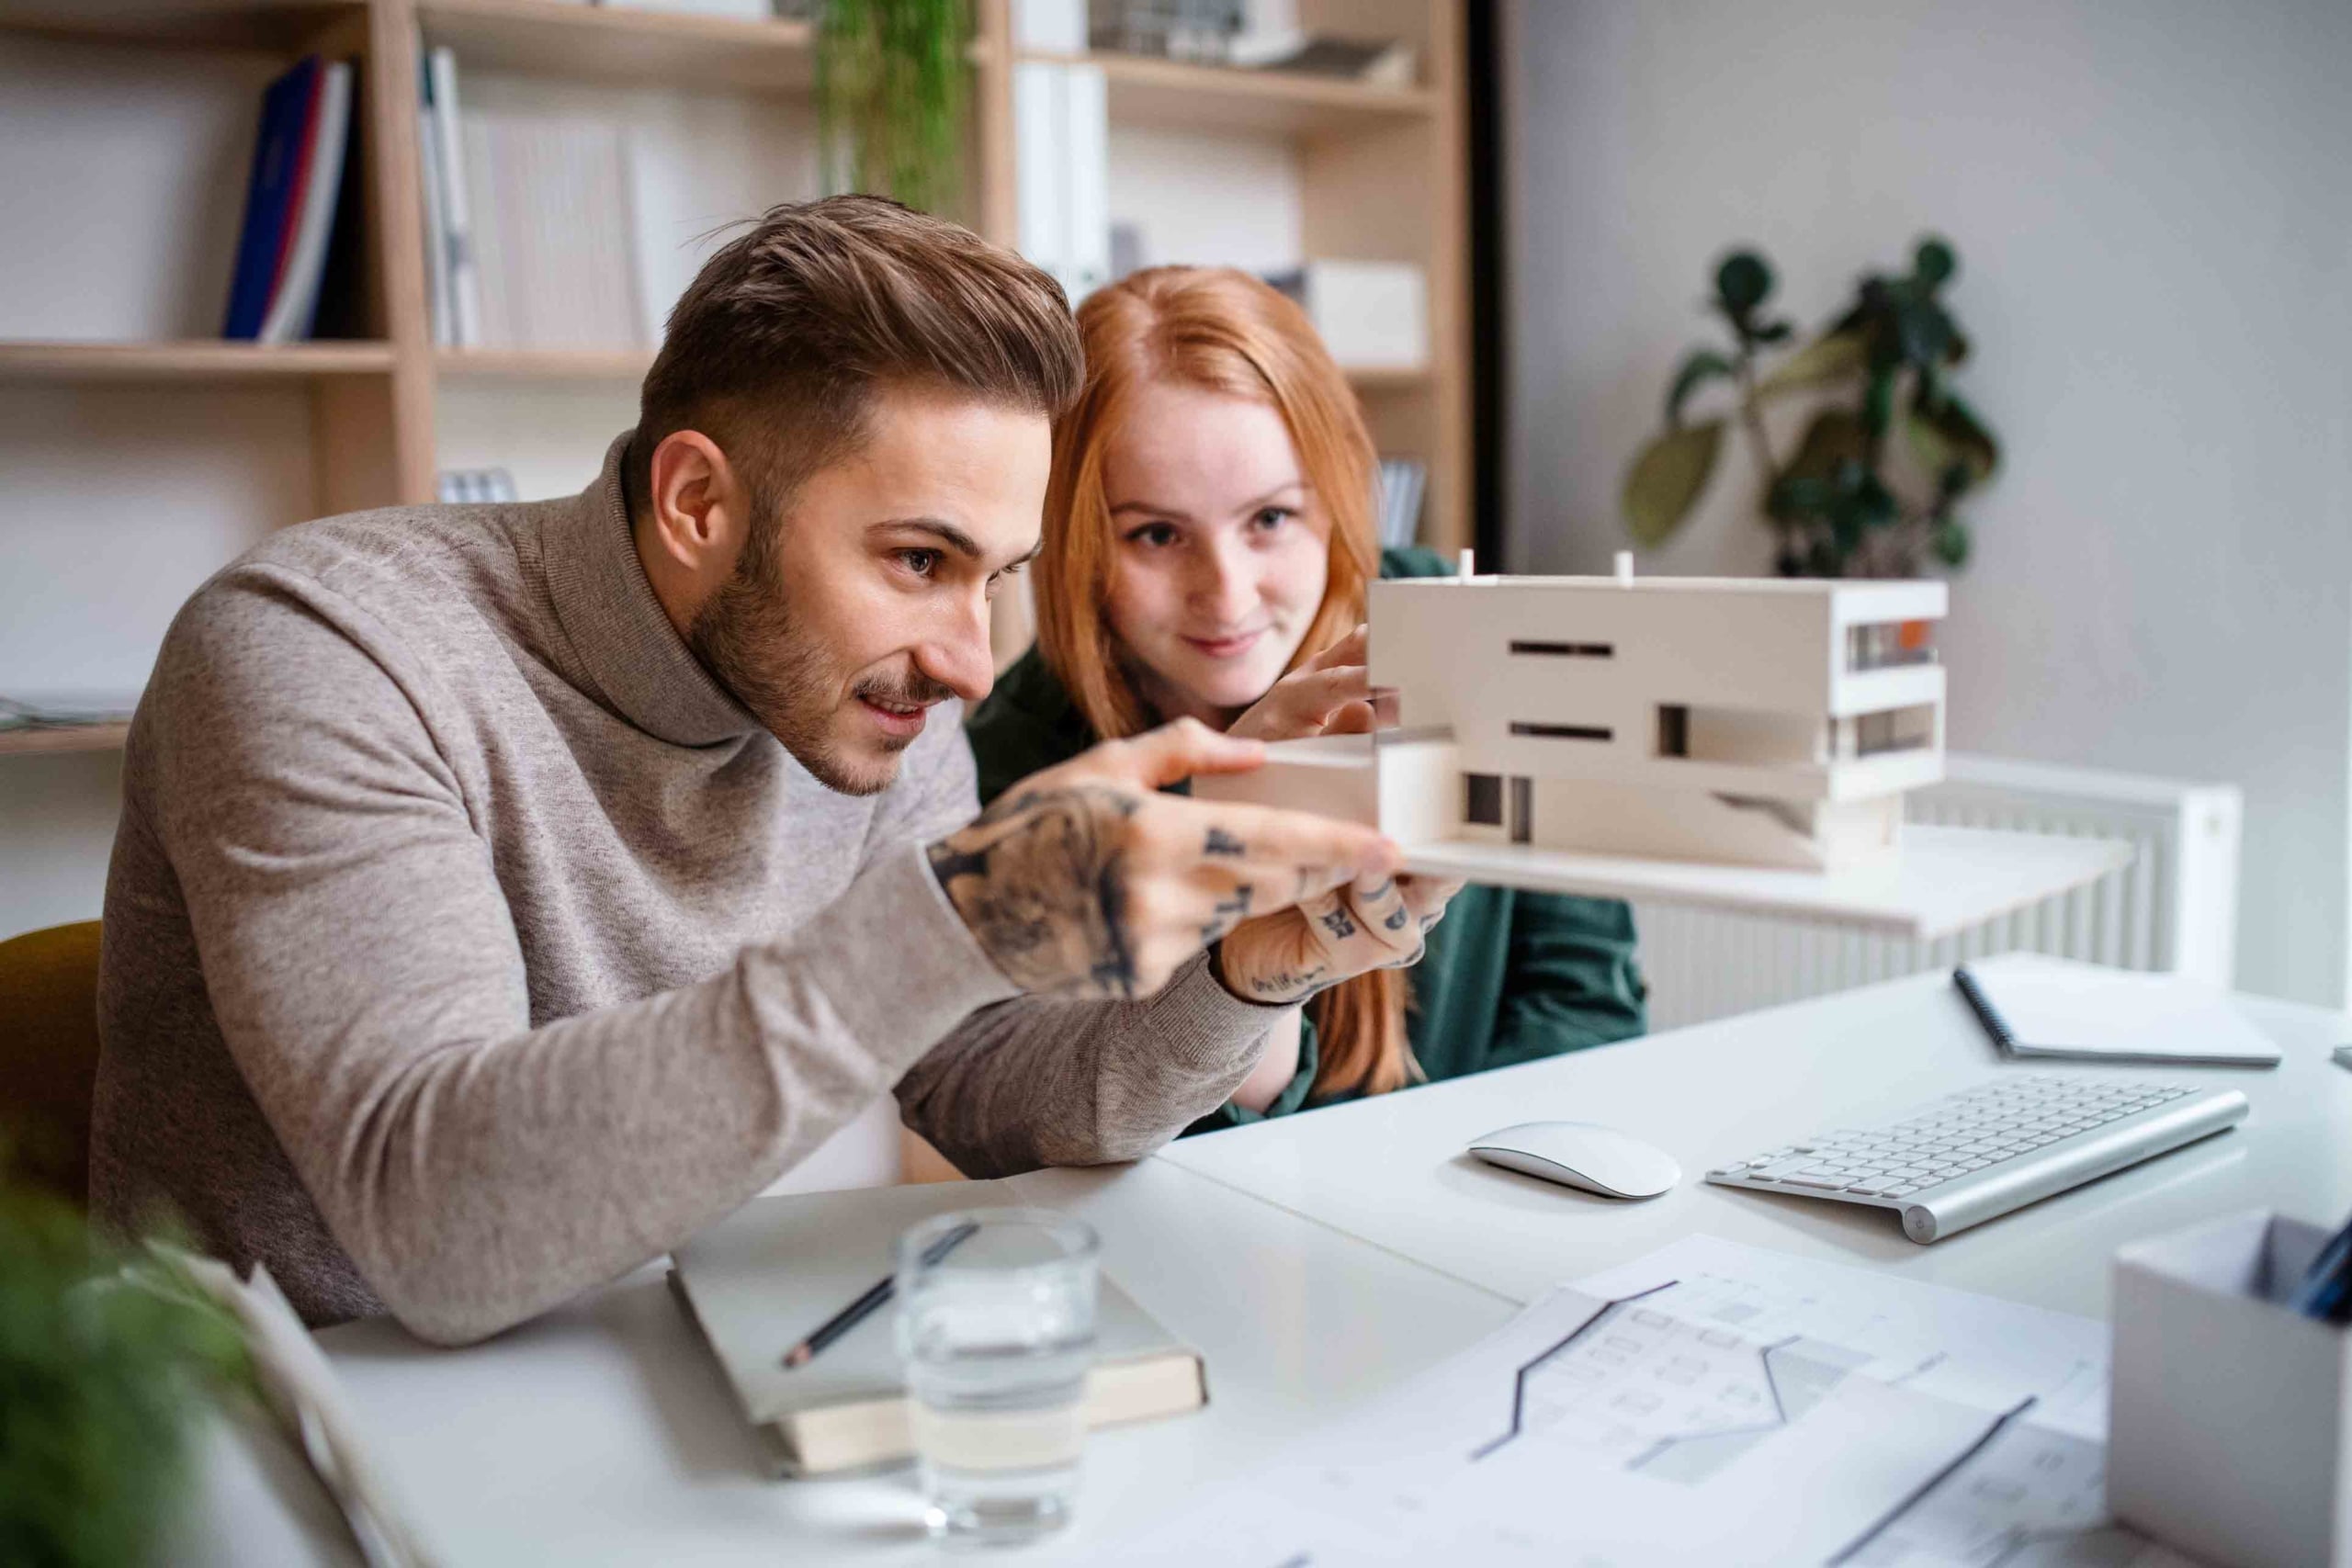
923	563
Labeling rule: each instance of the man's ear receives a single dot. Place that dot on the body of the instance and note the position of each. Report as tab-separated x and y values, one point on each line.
697	506
697	516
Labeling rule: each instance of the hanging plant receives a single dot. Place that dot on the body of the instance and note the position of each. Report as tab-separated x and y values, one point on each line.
892	87
1844	503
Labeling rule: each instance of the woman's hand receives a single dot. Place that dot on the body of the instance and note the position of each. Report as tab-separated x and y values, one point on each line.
1373	922
1328	694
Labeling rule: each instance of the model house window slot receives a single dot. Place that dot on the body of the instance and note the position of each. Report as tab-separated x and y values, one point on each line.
1566	649
1896	729
1564	731
1481	799
1673	729
1888	645
1522	810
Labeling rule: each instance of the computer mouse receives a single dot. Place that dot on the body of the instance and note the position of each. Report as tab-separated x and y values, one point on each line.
1581	1155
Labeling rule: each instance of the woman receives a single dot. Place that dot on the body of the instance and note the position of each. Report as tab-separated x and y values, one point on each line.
1208	529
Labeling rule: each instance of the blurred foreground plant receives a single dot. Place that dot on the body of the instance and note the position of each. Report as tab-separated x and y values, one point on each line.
98	1378
1842	503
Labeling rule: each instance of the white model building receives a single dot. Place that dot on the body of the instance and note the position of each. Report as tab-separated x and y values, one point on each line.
1759	722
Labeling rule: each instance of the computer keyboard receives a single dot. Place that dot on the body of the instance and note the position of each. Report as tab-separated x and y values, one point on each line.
1972	1156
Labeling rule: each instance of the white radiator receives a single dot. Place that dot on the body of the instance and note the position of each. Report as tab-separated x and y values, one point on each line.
2175	906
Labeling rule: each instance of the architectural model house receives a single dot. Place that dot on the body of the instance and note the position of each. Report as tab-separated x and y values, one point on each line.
1759	722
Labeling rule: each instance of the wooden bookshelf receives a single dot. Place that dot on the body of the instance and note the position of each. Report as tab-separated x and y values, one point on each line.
1380	171
64	739
272	25
194	360
614	43
1212	98
542	363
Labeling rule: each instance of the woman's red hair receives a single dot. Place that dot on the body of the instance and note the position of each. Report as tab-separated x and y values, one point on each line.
1225	332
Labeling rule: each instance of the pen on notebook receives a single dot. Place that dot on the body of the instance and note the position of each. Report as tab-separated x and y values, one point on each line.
1982	1006
858	1311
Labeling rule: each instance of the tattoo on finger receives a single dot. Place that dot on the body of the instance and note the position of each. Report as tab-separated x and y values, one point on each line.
1222	844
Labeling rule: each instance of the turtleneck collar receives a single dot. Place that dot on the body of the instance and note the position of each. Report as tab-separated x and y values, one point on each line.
618	628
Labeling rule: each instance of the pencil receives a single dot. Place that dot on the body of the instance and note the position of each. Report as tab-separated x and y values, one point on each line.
1982	1006
858	1311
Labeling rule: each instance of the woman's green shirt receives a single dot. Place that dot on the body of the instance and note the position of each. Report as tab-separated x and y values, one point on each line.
1507	977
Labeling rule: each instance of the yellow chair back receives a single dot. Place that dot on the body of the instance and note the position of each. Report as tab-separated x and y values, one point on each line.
49	1055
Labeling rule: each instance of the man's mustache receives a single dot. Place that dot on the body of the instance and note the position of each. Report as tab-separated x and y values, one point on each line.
916	691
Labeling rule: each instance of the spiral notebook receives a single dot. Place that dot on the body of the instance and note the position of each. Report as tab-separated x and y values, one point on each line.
2074	1014
763	1277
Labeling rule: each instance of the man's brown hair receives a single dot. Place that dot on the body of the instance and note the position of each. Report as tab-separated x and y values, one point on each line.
777	348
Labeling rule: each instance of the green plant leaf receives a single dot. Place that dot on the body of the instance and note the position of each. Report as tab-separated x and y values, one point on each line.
1666	480
1878	401
1833	357
1704	365
1933	263
1742	280
1951	543
1833	441
1944	433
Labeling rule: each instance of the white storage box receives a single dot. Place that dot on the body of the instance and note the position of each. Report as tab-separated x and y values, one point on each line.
1371	315
2226	1436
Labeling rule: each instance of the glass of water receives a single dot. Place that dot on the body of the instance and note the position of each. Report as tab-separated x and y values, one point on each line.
996	1325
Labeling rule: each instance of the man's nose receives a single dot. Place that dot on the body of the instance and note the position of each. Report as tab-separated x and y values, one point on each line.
958	655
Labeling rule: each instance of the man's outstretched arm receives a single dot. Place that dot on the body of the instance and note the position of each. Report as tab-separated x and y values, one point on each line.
365	975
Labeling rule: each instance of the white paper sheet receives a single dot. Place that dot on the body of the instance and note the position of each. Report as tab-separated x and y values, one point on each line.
1710	1403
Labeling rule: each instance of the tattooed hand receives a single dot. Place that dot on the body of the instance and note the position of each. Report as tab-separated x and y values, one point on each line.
1376	922
1084	880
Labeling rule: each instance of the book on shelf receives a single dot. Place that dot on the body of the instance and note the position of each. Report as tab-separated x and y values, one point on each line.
298	204
462	485
536	247
1402	482
460	324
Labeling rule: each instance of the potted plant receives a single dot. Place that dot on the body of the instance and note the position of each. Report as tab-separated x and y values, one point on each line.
1874	486
892	87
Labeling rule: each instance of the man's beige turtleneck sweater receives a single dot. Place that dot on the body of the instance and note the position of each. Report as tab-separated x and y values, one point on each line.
467	945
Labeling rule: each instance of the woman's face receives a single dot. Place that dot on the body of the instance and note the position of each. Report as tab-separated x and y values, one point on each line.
1220	548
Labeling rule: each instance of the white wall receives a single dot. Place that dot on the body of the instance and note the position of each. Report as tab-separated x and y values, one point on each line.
2155	227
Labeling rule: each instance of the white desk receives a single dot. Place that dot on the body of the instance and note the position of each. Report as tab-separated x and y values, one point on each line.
1313	1260
604	1433
1391	1170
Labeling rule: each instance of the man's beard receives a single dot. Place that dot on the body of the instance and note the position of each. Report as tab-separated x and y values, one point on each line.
747	638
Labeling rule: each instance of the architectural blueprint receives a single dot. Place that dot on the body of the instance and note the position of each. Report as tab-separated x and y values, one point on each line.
1710	1405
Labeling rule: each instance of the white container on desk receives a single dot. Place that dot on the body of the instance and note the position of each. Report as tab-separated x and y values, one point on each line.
2227	1431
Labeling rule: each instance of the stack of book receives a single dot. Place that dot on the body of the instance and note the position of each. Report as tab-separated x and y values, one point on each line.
530	238
299	206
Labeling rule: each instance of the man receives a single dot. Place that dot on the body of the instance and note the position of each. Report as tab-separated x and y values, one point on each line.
505	893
